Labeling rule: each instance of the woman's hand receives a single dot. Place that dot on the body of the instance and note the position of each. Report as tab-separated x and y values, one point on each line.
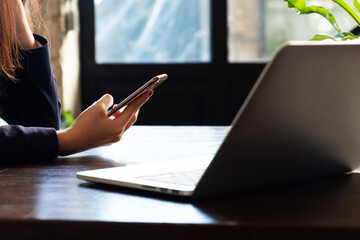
23	30
93	128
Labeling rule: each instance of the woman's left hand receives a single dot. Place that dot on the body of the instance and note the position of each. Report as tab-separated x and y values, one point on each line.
23	30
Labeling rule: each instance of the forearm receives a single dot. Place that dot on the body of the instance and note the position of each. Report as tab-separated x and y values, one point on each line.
68	144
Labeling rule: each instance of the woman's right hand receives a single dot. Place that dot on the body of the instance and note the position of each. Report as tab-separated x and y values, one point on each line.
93	128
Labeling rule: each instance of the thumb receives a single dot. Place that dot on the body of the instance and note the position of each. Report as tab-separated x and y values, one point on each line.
106	101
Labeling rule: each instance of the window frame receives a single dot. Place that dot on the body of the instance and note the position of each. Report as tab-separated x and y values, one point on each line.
220	86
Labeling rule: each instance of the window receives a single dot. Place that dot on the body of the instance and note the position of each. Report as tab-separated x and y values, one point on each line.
148	31
212	50
257	28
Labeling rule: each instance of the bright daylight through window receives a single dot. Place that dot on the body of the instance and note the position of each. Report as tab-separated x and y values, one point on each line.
178	31
152	31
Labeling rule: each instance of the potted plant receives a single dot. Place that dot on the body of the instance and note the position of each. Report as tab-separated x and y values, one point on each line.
302	8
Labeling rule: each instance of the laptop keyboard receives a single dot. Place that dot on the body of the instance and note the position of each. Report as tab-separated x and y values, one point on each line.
186	178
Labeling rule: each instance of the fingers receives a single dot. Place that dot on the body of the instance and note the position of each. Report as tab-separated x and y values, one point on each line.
117	113
138	102
132	120
132	109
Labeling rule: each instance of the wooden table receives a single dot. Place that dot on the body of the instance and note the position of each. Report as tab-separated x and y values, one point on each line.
47	201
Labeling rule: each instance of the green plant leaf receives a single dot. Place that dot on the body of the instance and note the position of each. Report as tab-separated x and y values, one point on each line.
322	36
342	36
357	5
66	119
346	36
302	8
344	5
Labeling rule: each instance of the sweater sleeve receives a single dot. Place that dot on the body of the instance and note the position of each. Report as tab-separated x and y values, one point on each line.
27	144
33	100
32	110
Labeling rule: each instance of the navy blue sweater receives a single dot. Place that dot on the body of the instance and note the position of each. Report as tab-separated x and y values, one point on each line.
32	110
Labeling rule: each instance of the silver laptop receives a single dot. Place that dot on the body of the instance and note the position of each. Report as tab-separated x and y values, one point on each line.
300	121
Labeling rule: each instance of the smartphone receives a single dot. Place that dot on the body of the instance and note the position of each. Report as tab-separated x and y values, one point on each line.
151	84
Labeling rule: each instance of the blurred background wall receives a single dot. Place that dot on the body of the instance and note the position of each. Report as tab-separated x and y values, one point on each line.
61	18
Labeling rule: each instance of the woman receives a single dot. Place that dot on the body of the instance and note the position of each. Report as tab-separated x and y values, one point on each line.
29	102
